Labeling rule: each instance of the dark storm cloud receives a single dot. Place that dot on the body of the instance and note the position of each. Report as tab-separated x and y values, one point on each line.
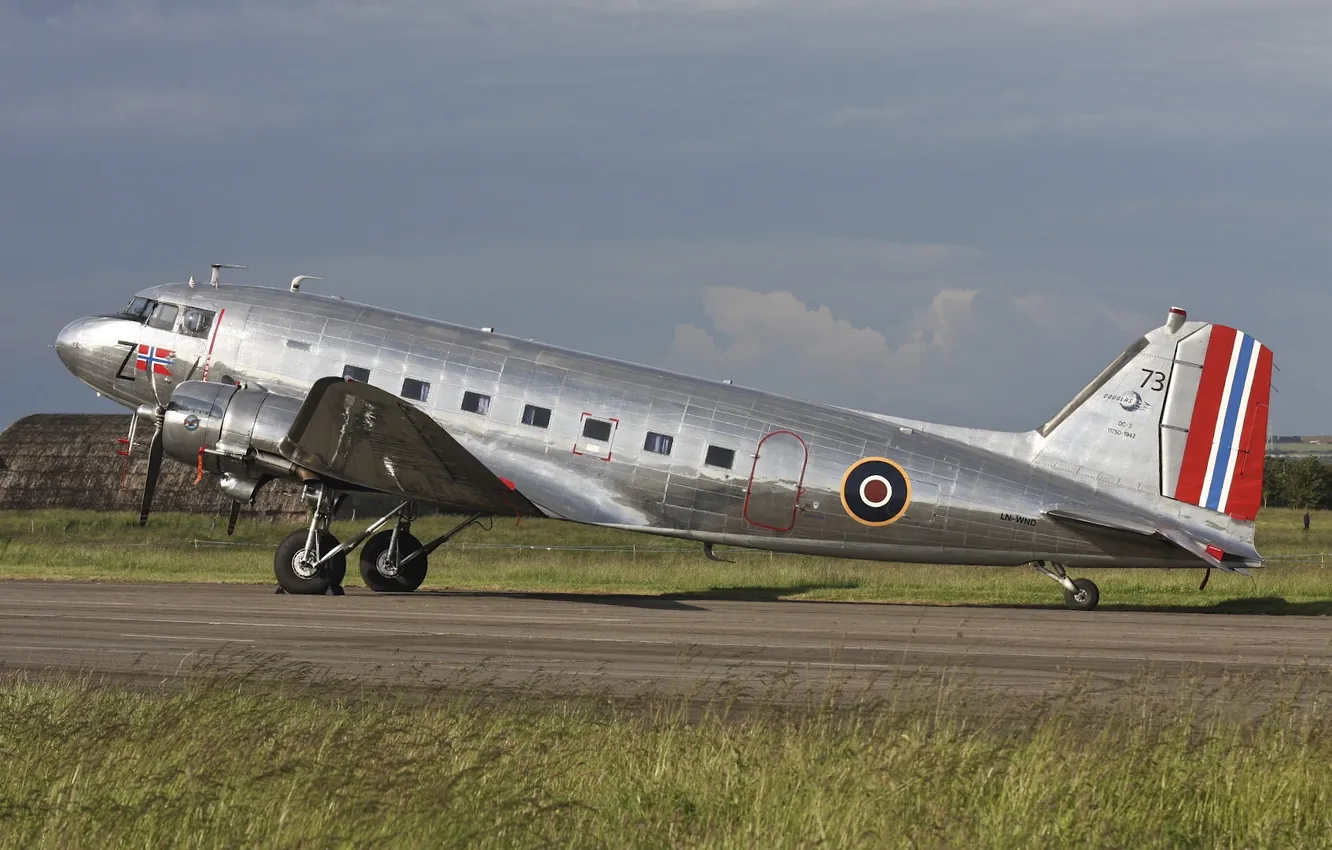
983	202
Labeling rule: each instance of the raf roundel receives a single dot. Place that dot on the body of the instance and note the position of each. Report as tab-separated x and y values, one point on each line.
876	491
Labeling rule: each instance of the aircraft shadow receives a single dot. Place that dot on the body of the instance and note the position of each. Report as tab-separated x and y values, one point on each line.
1268	605
661	601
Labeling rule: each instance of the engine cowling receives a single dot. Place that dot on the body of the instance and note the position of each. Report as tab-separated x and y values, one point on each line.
231	431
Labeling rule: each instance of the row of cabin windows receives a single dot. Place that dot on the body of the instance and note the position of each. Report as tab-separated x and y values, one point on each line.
599	430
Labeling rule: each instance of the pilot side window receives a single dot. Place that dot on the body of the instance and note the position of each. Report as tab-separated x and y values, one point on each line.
196	322
356	373
476	403
138	308
537	417
658	443
415	390
163	317
720	457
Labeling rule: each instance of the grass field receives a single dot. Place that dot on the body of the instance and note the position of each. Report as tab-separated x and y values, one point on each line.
226	763
111	547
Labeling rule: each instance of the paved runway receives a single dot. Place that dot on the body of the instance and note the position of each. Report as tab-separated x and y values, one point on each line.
631	644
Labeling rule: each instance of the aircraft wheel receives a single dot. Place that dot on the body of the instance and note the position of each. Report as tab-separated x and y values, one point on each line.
377	569
1084	597
294	566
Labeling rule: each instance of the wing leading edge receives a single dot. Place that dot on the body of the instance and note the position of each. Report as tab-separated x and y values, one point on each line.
359	434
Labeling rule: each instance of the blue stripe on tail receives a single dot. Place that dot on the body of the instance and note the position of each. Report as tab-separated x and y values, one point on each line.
1228	436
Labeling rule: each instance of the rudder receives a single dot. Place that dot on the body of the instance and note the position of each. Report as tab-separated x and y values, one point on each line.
1214	427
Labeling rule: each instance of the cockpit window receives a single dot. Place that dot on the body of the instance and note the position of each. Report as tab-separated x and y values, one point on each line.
138	308
196	322
163	316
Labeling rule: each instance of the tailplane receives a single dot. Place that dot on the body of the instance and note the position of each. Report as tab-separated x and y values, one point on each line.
1181	413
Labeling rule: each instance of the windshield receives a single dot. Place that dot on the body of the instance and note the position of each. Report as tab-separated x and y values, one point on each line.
138	308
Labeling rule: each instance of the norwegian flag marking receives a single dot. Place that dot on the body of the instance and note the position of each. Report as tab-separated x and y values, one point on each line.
158	360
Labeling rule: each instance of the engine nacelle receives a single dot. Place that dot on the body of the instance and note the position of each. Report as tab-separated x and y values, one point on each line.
234	432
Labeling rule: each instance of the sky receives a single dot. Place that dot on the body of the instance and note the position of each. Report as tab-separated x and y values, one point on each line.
956	211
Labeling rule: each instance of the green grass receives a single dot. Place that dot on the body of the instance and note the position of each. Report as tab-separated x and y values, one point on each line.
111	547
226	763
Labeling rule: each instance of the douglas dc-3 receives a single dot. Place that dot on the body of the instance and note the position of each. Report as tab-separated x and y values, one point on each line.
1156	463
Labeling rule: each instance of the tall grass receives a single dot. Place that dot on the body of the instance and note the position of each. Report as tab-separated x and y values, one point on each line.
111	547
227	763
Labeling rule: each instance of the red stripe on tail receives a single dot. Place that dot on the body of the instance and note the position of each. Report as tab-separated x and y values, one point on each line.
1246	488
1206	410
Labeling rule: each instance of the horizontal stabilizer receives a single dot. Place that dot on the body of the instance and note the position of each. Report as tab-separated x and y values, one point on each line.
1232	557
1102	520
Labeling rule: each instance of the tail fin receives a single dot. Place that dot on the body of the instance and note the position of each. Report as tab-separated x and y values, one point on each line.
1182	413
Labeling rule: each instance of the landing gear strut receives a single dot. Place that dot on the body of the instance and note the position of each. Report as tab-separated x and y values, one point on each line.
1080	594
310	561
392	562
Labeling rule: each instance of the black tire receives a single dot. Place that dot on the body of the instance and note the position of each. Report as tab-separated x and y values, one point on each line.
1085	597
409	578
285	564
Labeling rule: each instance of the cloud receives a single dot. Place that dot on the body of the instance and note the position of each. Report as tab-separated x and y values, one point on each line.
773	334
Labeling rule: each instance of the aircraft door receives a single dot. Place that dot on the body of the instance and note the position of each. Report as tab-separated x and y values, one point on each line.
775	482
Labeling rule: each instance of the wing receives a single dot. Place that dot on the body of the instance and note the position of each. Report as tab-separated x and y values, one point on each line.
362	435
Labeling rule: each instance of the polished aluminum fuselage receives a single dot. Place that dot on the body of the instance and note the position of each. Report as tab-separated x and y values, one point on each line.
977	496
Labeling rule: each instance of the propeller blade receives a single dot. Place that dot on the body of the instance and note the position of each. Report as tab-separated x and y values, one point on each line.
150	481
233	517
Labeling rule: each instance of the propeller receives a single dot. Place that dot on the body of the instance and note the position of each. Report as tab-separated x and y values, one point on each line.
233	517
154	461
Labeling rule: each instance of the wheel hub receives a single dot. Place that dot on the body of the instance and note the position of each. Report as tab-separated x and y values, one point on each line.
386	565
303	564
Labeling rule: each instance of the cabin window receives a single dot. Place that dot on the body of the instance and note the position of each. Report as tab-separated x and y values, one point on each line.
163	317
658	443
196	322
720	457
415	390
597	429
537	417
356	373
476	403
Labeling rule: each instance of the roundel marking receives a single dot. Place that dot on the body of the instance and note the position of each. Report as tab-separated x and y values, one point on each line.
876	491
191	422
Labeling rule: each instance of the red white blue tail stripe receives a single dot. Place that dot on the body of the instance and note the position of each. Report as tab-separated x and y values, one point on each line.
1223	459
154	360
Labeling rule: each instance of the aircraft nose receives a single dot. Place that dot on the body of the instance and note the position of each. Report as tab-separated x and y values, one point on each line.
67	344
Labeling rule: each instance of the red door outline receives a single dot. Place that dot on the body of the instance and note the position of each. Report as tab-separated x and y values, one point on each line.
795	497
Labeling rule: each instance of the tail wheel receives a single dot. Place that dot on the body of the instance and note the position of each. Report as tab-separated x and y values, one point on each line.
295	567
379	572
1083	596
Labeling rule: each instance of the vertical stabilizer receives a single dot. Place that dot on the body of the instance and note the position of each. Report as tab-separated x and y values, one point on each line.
1182	413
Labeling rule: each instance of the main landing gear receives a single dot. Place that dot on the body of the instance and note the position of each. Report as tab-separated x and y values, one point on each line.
312	561
1080	594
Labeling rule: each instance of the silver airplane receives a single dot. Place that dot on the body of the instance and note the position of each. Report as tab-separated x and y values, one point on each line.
1156	463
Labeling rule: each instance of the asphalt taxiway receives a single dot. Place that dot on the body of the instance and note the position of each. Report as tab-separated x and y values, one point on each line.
632	644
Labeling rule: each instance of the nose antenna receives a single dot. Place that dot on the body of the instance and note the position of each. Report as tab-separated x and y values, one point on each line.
216	279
